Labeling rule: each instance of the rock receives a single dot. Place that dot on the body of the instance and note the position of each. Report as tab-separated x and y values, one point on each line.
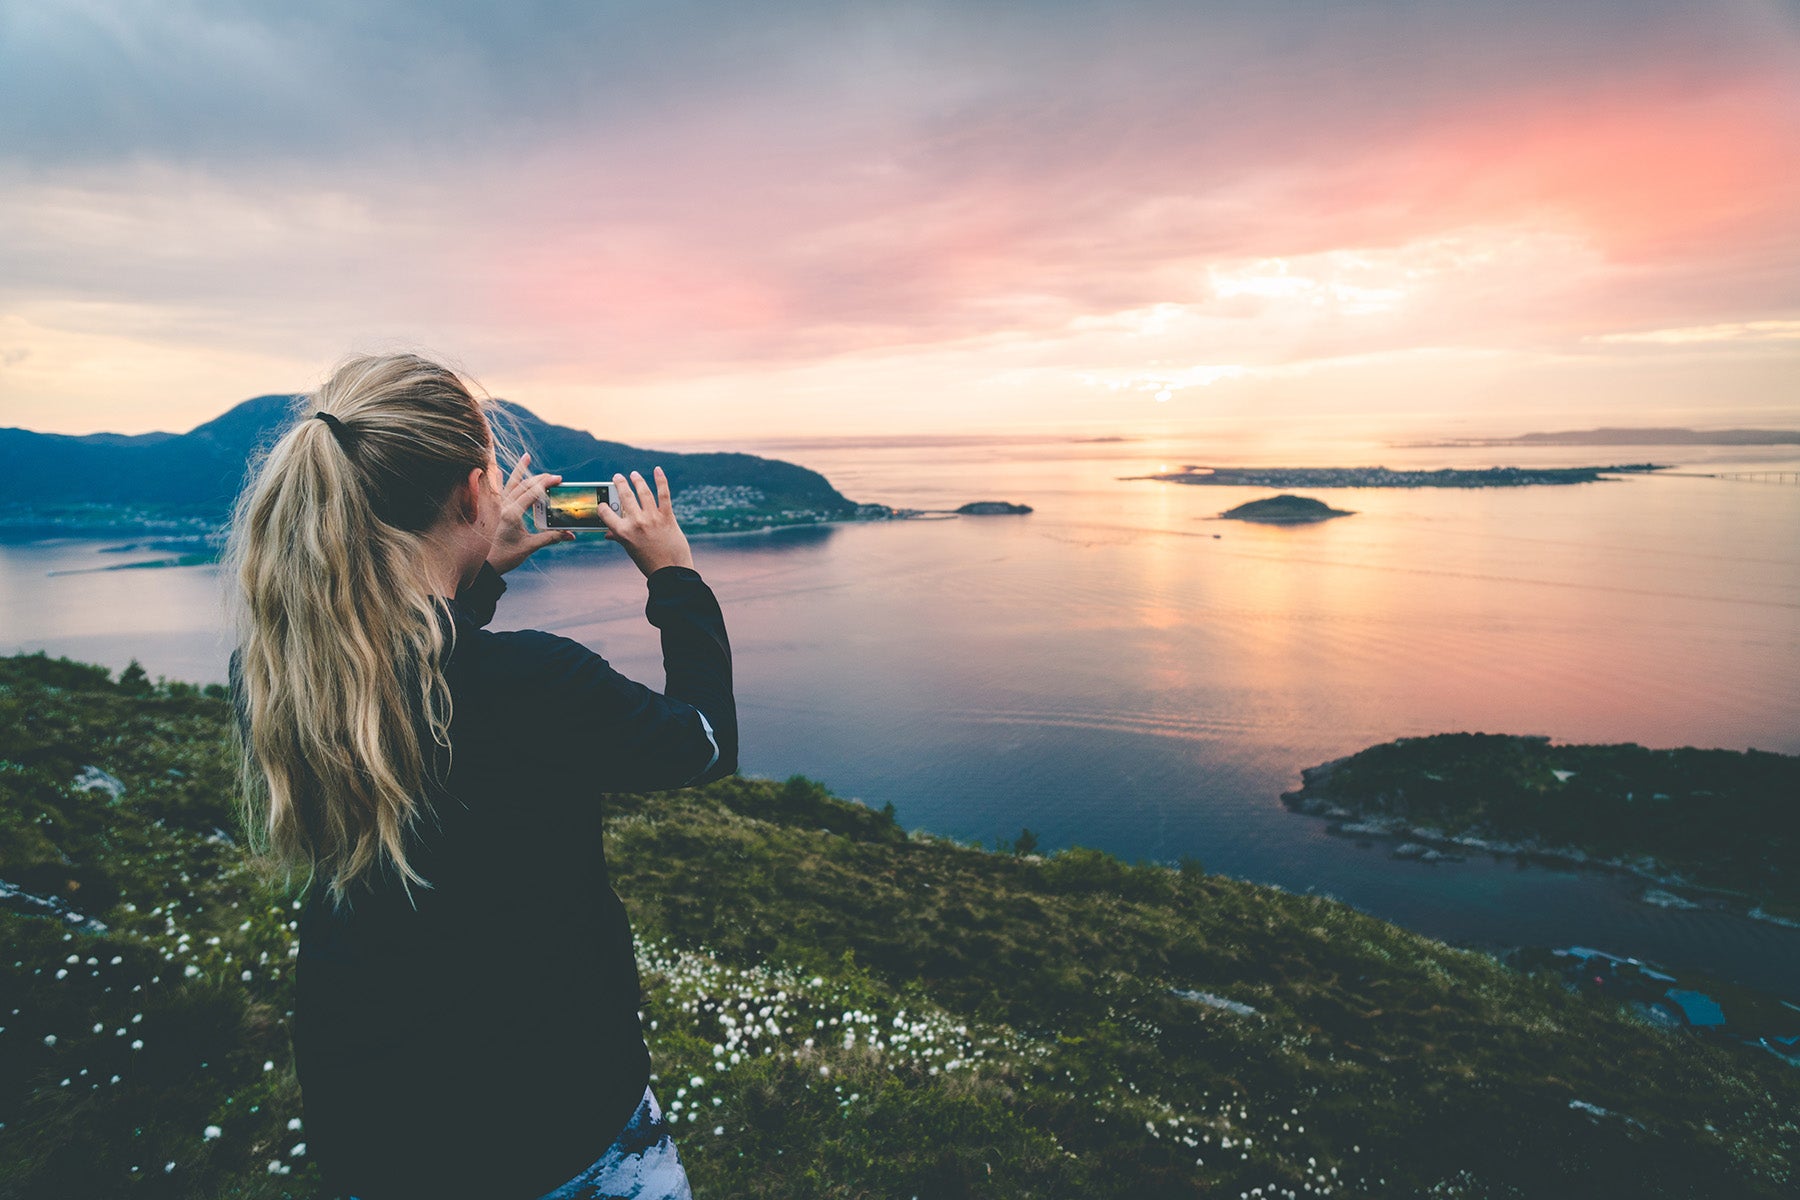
1412	850
1212	1001
93	779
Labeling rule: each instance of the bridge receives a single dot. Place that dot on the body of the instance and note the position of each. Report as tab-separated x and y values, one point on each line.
1760	476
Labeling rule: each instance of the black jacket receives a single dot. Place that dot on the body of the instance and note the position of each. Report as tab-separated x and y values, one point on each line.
486	1043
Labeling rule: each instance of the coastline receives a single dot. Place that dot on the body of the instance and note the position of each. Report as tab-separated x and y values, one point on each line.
1343	822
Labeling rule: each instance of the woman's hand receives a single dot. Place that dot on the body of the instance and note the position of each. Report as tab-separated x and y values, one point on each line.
513	543
645	524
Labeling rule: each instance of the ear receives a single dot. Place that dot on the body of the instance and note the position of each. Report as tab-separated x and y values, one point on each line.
468	497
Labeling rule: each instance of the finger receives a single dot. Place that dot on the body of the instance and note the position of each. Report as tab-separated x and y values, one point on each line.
532	490
521	485
662	491
628	505
642	489
550	537
518	470
610	519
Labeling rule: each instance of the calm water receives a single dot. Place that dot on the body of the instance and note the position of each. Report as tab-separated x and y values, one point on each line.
1118	670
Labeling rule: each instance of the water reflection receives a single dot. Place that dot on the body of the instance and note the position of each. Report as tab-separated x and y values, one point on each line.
1107	672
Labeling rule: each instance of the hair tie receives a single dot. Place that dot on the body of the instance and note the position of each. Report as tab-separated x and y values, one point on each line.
338	430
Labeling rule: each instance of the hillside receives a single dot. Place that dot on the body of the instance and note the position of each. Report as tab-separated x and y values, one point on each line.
183	484
838	1009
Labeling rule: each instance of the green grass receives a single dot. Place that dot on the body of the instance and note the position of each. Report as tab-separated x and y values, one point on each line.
842	1010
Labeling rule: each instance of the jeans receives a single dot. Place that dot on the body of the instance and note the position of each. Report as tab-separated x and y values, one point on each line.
641	1164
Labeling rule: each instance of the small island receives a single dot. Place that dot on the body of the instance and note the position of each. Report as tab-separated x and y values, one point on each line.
1723	821
1284	510
992	508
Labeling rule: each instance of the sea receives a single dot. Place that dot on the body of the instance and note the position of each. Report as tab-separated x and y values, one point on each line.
1121	669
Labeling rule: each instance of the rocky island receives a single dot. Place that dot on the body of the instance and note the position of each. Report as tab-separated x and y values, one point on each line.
1284	510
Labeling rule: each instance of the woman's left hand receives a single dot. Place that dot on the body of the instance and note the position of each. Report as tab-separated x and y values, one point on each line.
513	543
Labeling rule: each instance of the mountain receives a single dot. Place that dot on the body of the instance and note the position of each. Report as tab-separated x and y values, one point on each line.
186	481
1641	437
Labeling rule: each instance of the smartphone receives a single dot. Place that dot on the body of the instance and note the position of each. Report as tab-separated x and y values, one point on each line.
573	506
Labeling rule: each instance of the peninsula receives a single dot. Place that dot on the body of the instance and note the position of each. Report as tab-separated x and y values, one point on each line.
1724	820
179	487
1382	477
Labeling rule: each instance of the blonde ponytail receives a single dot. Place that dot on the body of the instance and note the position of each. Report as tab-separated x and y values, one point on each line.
340	642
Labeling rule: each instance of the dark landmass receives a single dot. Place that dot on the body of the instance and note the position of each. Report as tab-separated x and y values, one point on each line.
1635	437
1720	819
163	484
992	508
896	1013
196	559
1284	510
1382	477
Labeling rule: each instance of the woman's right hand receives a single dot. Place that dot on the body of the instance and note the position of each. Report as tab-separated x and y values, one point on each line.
645	524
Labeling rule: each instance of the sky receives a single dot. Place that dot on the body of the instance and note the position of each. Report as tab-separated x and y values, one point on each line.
698	222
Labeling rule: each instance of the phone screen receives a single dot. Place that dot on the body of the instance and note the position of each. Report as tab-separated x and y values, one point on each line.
576	505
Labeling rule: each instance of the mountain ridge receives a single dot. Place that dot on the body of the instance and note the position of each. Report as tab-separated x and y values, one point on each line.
186	482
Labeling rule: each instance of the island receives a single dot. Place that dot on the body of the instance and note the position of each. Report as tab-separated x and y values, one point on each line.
992	508
1284	510
1382	477
822	990
1724	823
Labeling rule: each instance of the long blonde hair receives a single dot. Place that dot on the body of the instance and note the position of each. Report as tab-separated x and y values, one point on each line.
340	642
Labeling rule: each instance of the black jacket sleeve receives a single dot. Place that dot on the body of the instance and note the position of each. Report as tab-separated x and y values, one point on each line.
697	659
629	737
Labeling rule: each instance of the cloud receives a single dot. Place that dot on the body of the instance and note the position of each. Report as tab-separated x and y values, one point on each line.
1735	331
683	190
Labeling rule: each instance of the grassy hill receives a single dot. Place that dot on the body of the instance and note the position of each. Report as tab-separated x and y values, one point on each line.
838	1009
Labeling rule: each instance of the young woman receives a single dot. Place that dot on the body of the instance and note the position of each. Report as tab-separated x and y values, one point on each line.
466	1012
